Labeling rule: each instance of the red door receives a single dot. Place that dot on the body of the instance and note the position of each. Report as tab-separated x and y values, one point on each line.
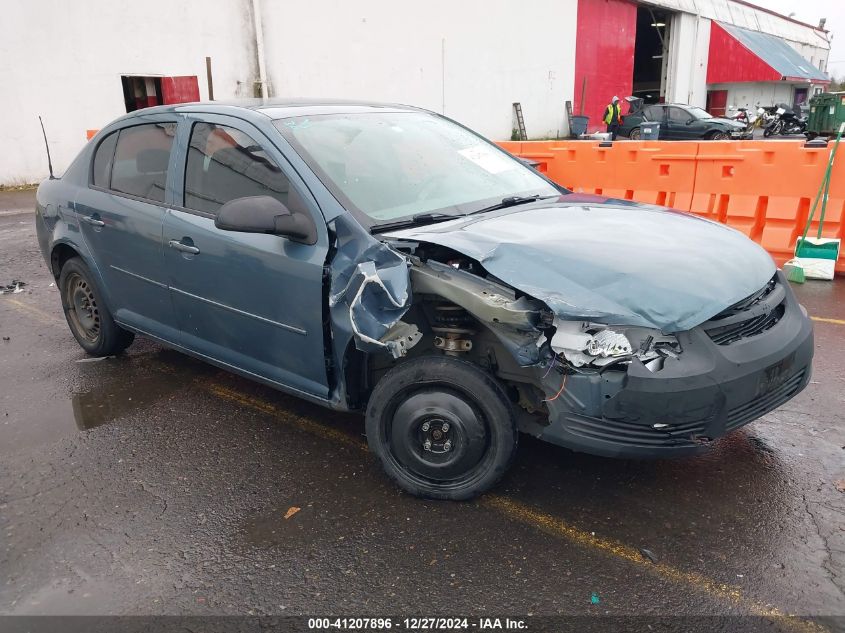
180	89
717	102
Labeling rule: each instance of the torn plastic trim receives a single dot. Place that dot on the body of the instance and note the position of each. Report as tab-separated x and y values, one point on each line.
516	322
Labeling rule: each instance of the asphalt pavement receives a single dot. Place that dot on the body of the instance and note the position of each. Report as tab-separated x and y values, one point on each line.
152	483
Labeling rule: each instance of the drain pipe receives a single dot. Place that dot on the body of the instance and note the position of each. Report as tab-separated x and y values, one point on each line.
259	48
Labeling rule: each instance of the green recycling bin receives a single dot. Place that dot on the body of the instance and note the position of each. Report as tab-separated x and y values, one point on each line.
827	113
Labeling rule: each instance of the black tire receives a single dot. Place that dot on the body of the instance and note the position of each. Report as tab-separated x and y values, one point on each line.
634	134
433	391
89	319
718	136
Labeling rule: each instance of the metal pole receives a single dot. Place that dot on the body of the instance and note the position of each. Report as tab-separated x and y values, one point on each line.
259	47
210	80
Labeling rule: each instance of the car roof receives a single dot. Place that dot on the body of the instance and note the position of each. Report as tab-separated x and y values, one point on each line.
279	108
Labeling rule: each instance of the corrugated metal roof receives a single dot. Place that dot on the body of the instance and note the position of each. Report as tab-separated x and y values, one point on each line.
750	17
776	53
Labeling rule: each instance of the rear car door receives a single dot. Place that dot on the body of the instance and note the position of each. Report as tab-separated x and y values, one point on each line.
676	123
655	114
121	215
250	301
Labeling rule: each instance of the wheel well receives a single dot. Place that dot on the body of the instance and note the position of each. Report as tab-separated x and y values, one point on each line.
61	253
362	371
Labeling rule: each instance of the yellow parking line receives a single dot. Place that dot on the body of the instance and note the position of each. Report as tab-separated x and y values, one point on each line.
522	513
38	313
824	320
549	524
303	423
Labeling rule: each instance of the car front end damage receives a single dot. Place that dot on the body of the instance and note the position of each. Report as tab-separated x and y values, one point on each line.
654	372
660	396
624	391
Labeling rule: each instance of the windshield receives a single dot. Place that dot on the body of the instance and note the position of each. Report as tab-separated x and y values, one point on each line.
395	165
698	113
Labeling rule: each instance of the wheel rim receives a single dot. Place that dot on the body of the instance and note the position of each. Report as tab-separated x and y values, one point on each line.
635	135
82	310
438	436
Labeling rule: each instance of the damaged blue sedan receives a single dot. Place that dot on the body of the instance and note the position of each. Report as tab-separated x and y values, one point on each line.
387	260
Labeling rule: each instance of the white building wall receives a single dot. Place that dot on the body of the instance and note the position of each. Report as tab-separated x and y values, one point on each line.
468	59
752	95
64	62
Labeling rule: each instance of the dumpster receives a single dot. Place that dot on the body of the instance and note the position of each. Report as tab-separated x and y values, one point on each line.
578	125
649	131
827	113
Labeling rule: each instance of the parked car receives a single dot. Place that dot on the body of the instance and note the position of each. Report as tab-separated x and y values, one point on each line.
682	123
387	260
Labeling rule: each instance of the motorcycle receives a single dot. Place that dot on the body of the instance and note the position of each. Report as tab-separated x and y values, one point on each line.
786	121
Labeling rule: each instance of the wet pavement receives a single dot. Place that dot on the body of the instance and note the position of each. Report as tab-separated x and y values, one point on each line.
152	483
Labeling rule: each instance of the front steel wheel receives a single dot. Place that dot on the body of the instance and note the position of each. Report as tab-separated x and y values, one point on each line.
442	428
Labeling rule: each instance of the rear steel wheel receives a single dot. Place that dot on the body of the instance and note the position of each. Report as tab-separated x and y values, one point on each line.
83	313
87	315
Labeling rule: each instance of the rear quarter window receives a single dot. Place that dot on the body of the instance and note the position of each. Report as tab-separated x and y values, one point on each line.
101	172
141	157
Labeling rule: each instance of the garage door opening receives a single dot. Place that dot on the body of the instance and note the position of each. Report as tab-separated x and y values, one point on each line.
651	52
144	92
141	92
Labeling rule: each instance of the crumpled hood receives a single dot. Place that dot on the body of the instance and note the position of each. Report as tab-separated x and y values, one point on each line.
611	261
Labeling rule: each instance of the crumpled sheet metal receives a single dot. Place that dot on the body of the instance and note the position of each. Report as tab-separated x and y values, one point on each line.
370	286
611	261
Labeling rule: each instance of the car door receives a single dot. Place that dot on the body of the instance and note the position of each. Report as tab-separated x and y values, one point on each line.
655	114
677	127
121	215
250	301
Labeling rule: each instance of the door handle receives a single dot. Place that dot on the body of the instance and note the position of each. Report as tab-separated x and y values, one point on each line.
92	221
185	248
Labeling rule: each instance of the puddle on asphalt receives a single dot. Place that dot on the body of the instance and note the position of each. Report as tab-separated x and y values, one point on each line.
118	388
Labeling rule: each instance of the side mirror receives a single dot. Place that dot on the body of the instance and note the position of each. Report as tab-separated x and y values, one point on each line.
690	121
264	214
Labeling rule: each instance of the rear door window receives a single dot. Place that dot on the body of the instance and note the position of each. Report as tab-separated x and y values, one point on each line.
225	164
140	160
653	113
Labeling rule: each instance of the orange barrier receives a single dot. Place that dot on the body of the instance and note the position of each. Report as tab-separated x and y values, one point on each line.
89	134
645	171
763	188
766	189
